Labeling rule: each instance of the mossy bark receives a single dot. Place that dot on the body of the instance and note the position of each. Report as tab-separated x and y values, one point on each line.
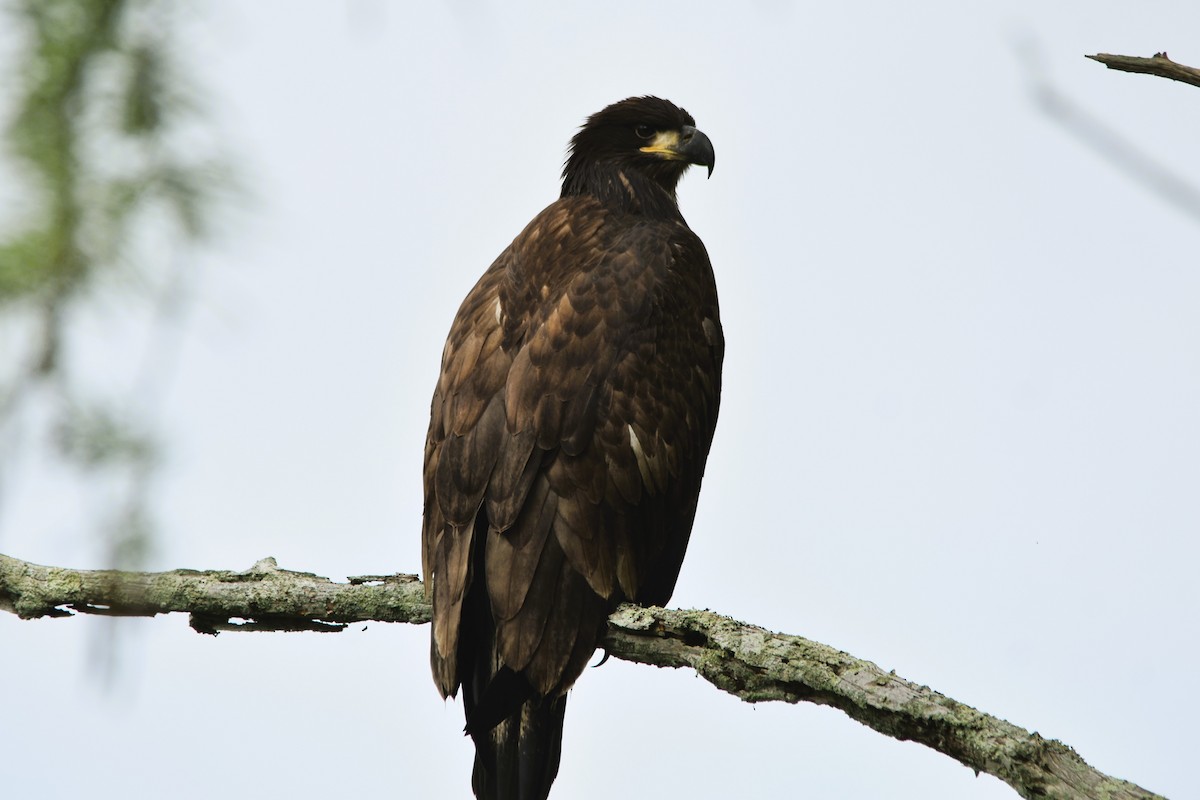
744	660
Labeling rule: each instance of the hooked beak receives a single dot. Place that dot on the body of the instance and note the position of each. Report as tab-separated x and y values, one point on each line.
686	144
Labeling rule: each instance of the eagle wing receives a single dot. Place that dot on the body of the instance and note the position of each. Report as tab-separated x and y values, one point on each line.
568	435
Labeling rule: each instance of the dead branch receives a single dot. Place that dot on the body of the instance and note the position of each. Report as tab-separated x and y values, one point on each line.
1158	65
750	662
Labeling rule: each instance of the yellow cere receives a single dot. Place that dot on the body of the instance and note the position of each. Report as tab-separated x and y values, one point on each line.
665	144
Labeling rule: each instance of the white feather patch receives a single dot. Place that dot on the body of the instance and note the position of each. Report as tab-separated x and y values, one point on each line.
640	456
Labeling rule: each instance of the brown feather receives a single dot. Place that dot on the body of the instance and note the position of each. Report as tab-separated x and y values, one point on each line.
513	555
452	568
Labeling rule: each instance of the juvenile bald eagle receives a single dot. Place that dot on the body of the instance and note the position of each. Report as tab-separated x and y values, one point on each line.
568	434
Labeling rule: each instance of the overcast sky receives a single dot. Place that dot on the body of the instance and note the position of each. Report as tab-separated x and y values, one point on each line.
959	435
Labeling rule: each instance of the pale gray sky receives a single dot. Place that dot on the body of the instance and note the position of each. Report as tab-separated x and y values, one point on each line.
959	434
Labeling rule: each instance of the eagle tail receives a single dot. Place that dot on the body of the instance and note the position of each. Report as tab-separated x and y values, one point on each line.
517	732
517	757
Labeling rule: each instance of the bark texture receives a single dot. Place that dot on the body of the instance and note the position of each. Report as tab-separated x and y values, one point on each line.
1159	64
744	660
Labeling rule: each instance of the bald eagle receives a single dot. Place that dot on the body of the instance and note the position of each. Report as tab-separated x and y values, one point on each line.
567	438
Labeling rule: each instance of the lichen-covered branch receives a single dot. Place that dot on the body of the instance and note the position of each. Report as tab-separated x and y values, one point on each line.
749	662
1159	64
262	598
756	665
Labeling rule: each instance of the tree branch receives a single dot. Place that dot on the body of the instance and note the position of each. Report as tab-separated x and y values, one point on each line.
264	597
747	661
1158	65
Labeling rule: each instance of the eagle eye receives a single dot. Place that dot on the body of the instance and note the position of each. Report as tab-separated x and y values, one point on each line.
644	131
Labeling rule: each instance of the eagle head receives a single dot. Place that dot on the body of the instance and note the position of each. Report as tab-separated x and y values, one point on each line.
638	136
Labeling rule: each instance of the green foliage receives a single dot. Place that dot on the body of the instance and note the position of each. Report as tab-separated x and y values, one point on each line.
101	101
95	437
101	109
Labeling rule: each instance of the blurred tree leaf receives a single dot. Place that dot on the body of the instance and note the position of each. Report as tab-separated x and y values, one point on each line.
103	136
95	437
